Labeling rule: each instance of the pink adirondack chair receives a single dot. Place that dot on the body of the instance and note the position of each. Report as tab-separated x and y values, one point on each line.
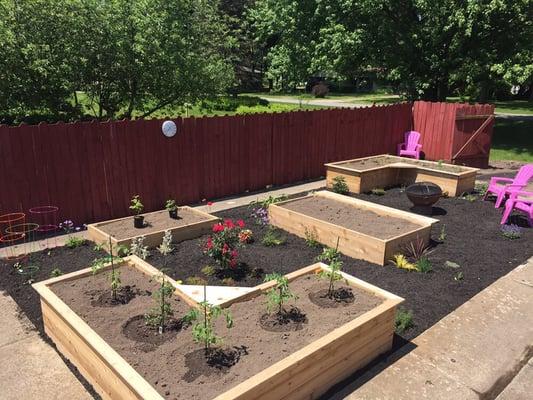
411	147
505	186
521	201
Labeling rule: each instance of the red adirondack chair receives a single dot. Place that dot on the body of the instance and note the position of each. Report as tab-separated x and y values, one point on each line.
411	147
501	187
521	201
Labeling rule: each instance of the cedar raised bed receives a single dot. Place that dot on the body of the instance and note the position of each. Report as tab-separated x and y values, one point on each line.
363	230
383	171
309	370
190	224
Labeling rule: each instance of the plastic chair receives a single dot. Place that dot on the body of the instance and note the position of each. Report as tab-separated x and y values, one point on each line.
411	147
506	186
514	202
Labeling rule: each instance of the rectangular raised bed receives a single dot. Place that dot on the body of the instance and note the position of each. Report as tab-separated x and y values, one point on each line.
356	244
200	224
364	174
304	374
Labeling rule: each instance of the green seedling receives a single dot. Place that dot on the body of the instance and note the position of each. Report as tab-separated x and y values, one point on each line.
272	237
339	185
404	320
55	273
332	258
279	294
162	310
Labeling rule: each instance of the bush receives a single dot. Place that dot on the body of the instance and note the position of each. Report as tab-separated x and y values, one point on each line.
339	185
320	90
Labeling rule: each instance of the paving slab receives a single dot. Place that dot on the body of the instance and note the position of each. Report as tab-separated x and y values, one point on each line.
14	326
215	294
521	388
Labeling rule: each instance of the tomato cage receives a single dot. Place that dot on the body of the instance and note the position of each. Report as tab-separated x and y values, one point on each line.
24	234
9	239
46	217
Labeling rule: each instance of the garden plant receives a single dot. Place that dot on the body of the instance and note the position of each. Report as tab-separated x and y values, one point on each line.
137	207
161	312
224	241
172	208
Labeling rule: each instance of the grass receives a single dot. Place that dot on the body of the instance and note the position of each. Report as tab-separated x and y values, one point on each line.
355	98
512	140
523	107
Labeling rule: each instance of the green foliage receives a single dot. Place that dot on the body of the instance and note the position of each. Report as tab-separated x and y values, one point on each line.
442	234
114	275
404	320
311	238
73	241
423	265
229	281
272	237
170	205
417	249
279	294
332	257
268	201
208	270
400	261
136	205
203	330
138	248
195	280
162	310
459	276
339	185
165	248
55	273
378	191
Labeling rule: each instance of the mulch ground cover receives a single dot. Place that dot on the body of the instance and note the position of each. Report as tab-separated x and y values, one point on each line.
473	255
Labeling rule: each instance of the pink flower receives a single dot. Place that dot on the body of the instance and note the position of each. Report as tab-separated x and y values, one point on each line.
233	263
240	223
209	244
210	203
234	253
225	248
218	228
229	224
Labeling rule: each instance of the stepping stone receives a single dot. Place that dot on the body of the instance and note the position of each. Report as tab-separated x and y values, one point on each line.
215	294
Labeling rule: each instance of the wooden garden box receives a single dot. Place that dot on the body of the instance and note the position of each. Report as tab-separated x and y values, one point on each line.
350	242
364	174
304	374
153	238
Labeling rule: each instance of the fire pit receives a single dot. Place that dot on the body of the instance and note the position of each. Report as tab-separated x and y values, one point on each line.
423	195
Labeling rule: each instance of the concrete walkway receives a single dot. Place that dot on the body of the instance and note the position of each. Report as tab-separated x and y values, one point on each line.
31	369
482	350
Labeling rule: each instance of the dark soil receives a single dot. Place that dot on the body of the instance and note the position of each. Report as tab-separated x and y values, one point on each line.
153	222
340	297
292	319
179	368
105	298
352	217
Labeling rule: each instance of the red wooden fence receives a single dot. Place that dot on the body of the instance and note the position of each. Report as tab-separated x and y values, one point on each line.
90	170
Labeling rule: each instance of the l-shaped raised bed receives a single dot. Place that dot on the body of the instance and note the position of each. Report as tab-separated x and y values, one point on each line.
364	174
359	228
324	347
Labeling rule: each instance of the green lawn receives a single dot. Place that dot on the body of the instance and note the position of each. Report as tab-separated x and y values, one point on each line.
523	107
512	140
354	98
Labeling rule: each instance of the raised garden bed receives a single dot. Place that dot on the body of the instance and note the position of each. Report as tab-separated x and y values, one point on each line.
122	362
190	223
383	171
359	228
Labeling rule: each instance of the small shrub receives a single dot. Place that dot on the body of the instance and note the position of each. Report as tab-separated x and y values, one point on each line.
222	244
165	248
442	235
246	236
229	281
339	185
404	321
272	237
417	249
55	273
170	205
279	294
378	191
161	312
332	258
74	241
511	231
311	238
459	276
136	205
320	90
114	275
400	261
481	188
469	197
208	270
195	280
204	330
260	208
423	265
138	248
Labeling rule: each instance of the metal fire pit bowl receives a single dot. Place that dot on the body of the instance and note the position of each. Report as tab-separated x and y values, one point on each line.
423	195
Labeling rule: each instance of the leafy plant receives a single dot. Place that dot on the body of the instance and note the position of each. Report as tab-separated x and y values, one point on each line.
171	205
195	280
416	249
400	261
469	197
272	237
136	205
246	236
114	275
260	208
459	276
403	321
311	238
378	191
138	248
511	231
55	273
279	294
222	244
73	241
332	257
29	271
439	164
162	310
481	188
165	248
423	265
442	235
229	281
208	270
204	331
339	185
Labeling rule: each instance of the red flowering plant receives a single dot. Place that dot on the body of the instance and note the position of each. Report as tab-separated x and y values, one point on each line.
223	243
